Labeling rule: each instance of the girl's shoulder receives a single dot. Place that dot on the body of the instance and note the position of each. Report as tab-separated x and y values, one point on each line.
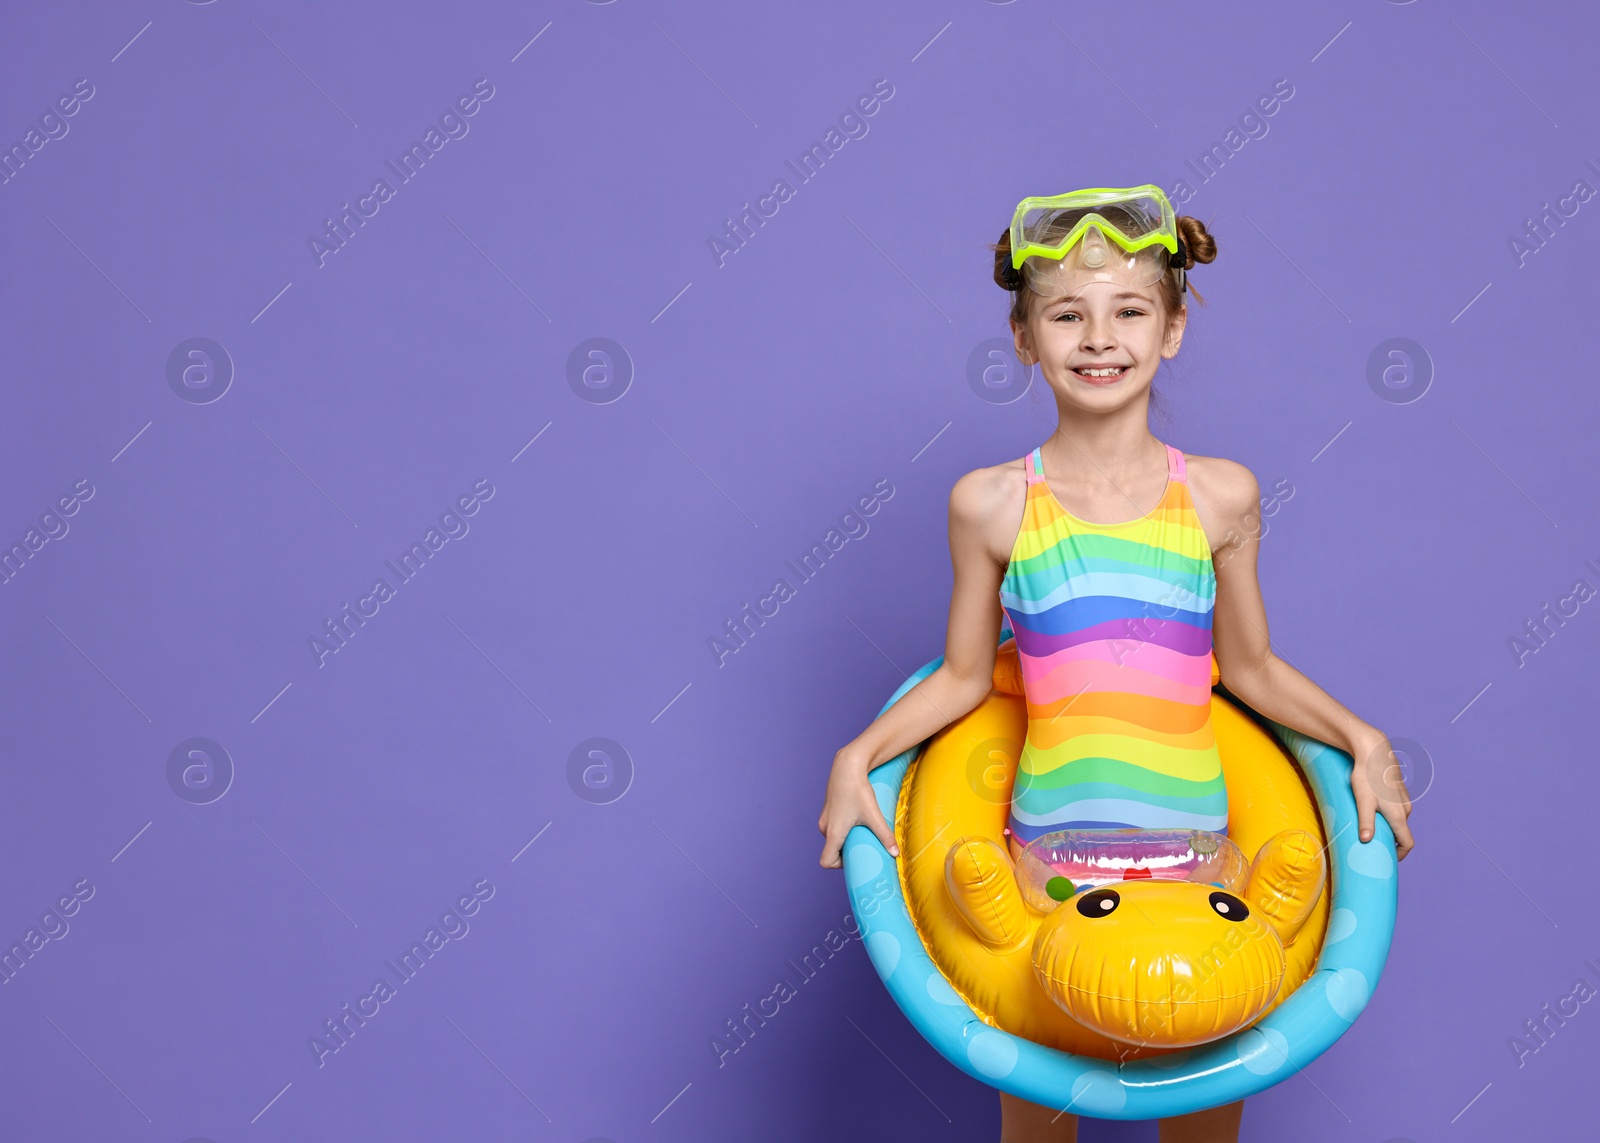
1225	494
983	491
987	502
1223	482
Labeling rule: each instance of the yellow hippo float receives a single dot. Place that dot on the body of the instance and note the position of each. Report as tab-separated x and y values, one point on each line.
1157	956
1137	993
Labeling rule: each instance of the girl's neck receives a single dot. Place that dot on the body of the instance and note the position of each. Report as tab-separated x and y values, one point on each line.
1116	443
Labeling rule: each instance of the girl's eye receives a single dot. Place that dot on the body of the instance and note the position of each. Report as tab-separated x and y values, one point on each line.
1130	311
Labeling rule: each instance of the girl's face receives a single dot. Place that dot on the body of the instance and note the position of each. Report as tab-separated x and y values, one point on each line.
1099	348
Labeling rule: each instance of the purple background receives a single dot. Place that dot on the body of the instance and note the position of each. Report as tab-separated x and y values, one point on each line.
767	396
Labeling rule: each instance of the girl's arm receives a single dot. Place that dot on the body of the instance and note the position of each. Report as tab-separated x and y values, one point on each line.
1251	670
961	682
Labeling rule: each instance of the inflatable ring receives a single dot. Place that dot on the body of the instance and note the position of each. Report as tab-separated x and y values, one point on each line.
916	947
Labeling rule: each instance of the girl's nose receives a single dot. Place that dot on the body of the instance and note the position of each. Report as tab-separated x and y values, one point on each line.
1097	335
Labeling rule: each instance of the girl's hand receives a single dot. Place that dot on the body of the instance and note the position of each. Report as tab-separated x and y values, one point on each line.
1376	781
850	802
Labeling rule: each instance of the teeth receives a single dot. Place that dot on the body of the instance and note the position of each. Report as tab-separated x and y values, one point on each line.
1100	372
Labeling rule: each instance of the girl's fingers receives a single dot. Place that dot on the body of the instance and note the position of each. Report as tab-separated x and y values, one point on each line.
1402	835
1366	811
833	846
883	832
830	853
869	815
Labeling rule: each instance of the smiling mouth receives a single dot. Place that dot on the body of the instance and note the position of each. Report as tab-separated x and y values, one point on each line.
1102	375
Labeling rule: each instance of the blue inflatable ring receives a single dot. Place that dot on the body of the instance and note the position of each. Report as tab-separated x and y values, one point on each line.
1296	1032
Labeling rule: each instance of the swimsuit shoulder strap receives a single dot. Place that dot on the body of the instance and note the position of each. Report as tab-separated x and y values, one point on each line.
1177	469
1033	466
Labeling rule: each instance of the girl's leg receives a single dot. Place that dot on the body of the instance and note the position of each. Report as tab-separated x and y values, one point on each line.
1214	1125
1024	1122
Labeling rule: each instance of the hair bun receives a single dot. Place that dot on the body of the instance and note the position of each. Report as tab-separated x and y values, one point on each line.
1006	276
1197	243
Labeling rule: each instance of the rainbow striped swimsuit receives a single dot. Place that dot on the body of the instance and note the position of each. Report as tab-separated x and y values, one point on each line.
1113	631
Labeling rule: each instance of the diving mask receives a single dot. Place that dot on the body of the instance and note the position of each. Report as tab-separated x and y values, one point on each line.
1127	236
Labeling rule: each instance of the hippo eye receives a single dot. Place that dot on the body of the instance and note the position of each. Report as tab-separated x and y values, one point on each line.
1100	903
1229	907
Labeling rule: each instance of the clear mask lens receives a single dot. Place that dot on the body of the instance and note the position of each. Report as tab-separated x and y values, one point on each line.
1094	258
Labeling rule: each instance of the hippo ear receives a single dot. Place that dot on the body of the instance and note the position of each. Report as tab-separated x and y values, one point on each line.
978	876
1007	677
1286	881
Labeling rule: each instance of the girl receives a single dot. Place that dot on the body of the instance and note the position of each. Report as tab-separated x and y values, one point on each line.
1131	565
